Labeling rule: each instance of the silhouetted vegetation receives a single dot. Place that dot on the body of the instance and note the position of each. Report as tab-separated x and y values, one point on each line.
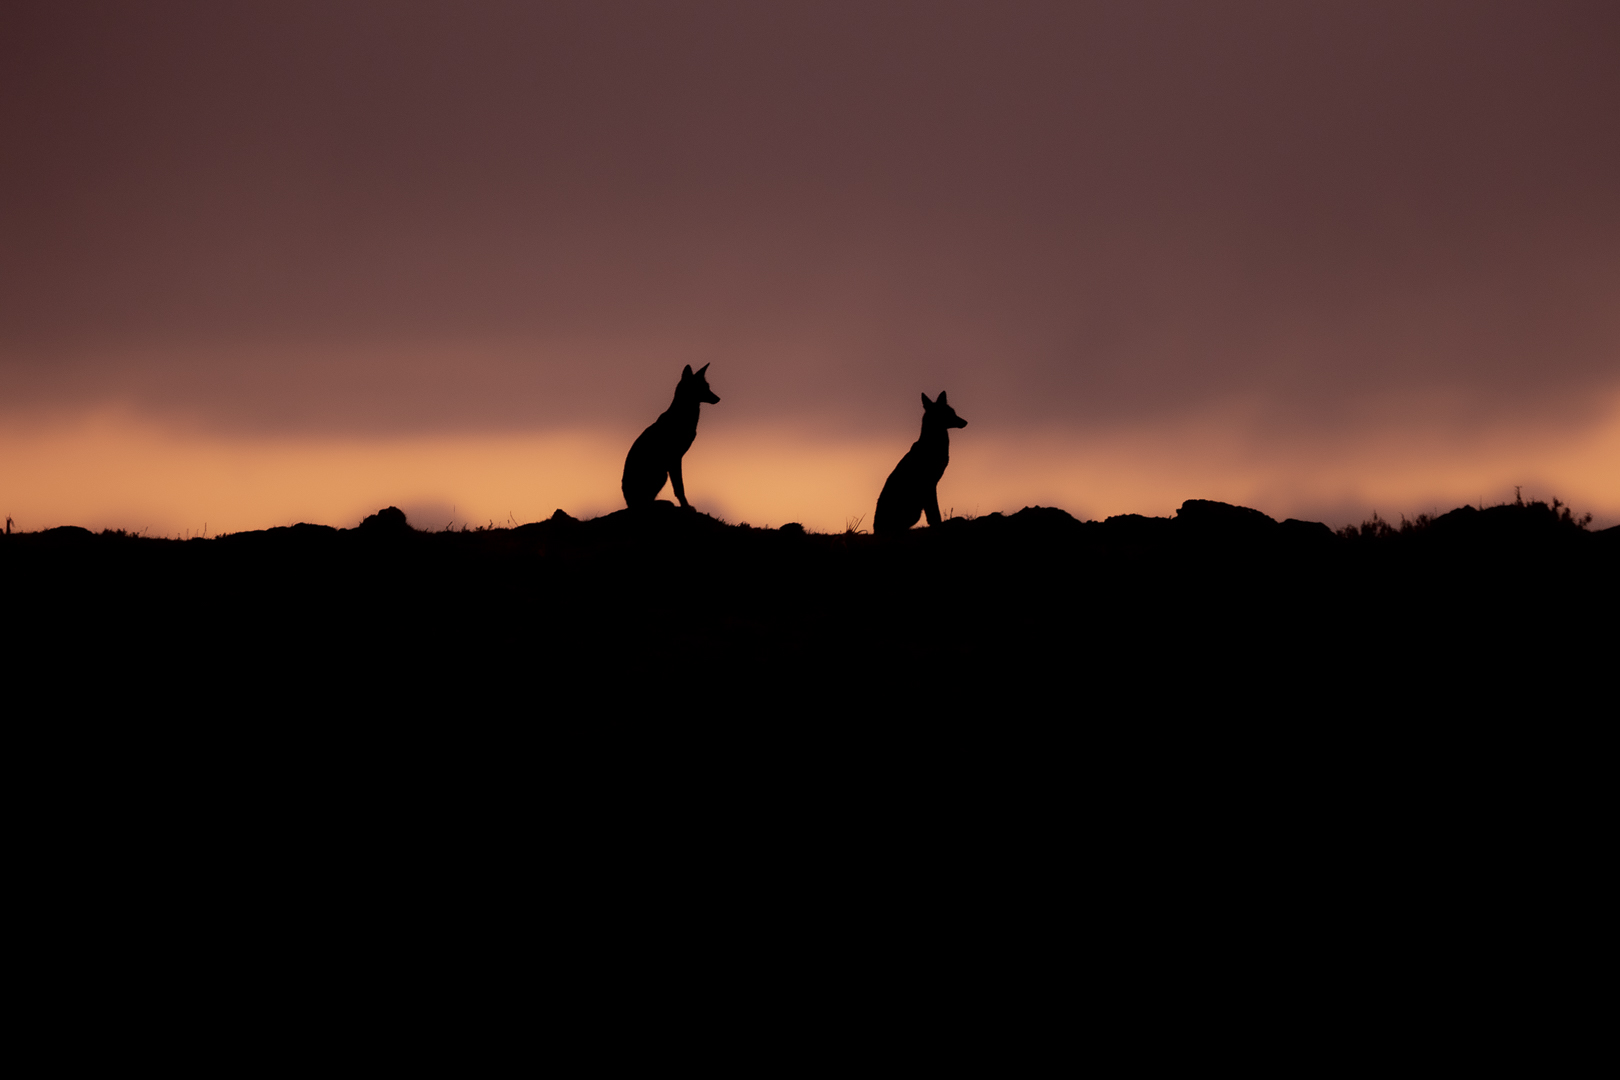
1517	517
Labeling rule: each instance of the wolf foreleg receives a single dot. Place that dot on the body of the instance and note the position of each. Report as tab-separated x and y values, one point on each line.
678	484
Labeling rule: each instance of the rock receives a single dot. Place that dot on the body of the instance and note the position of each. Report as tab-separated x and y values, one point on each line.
1207	523
390	520
1307	532
1045	518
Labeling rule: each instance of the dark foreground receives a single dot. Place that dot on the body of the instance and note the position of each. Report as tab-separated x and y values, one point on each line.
1142	770
1218	608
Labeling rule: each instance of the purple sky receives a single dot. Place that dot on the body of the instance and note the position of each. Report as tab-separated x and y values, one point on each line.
402	217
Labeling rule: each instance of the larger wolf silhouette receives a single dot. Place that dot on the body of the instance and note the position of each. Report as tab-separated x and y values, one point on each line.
657	453
912	489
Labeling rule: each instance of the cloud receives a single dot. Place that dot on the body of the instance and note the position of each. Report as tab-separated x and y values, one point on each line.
407	221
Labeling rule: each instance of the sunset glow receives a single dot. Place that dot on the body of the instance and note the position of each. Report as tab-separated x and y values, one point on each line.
114	471
263	264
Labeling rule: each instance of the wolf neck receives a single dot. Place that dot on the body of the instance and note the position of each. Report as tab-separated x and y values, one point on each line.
935	437
683	408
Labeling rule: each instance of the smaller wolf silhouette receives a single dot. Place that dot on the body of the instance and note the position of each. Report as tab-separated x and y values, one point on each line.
656	454
910	490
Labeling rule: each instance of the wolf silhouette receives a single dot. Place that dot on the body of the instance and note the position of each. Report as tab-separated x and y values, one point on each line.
910	490
657	453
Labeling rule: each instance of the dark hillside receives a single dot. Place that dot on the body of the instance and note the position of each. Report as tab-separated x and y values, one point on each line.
1030	609
1212	727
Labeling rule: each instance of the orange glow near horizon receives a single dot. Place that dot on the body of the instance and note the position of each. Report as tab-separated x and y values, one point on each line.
113	470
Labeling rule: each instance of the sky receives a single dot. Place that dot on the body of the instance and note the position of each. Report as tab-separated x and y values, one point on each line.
262	263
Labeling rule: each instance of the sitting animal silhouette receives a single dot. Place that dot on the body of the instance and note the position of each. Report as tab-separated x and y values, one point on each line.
657	453
911	489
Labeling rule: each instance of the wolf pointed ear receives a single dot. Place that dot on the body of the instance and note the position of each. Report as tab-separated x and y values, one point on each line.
926	403
941	399
686	372
702	369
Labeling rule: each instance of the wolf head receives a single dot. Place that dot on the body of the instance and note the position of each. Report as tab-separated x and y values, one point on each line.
694	385
940	412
